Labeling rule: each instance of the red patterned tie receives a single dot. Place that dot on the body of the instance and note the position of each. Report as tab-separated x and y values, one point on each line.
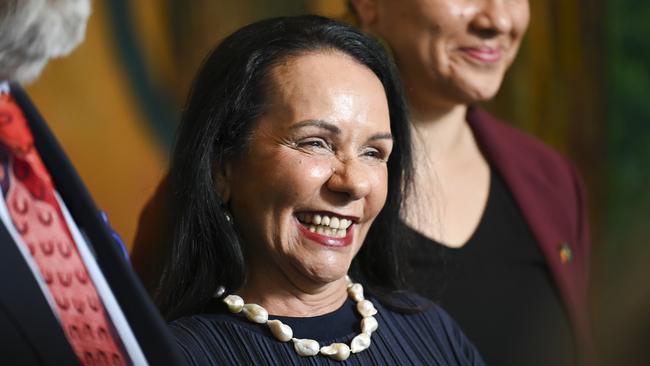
37	217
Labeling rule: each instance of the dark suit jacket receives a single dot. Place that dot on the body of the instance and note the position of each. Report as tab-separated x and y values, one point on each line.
29	332
551	197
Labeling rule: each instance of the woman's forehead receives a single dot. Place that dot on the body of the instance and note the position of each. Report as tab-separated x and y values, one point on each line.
319	76
326	86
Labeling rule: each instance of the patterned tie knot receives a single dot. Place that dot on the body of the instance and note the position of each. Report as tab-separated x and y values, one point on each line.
13	132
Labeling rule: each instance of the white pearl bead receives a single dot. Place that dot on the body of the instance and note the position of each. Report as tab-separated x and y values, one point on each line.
366	308
356	292
256	313
306	347
336	351
360	343
369	325
235	303
281	331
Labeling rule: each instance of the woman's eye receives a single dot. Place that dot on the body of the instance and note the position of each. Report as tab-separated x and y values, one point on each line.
374	154
313	143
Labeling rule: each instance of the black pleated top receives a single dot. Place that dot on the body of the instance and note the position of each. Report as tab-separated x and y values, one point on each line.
497	287
427	337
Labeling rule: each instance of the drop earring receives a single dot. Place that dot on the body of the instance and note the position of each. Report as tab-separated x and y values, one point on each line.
227	214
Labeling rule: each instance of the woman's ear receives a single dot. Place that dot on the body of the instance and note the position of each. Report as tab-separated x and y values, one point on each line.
366	11
222	181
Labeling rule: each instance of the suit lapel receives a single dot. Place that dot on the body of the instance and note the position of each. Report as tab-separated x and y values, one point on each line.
147	325
23	301
65	178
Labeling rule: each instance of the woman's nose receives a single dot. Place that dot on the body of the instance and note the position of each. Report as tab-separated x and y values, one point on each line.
492	18
351	178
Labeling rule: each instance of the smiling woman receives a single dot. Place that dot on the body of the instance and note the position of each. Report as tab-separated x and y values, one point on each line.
288	174
319	151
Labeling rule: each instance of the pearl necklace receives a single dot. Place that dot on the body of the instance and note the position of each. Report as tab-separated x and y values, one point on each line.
310	347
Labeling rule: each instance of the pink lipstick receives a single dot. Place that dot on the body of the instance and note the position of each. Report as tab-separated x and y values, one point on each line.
486	55
326	240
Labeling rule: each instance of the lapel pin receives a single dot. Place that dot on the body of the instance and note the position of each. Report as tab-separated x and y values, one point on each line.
566	256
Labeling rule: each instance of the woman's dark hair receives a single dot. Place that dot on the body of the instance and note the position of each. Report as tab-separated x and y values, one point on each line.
227	97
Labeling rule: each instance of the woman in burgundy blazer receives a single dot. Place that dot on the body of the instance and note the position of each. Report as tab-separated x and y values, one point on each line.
499	225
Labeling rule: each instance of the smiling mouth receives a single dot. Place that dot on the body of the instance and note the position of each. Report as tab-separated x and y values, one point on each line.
486	55
325	224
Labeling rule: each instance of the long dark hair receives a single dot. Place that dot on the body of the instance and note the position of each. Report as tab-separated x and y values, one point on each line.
227	97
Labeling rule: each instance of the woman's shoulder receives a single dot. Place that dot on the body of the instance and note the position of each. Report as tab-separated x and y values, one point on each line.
407	302
410	304
207	339
493	133
509	150
432	318
194	323
419	318
209	325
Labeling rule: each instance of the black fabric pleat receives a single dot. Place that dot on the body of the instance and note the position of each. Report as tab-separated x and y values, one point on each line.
429	337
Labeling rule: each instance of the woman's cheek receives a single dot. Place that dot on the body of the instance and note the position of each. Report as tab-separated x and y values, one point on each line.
319	169
303	175
380	187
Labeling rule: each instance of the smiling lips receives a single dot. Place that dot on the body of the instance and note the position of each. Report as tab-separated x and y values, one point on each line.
326	229
486	55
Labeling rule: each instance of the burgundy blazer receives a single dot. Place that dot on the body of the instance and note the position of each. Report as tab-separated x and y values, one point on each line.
551	197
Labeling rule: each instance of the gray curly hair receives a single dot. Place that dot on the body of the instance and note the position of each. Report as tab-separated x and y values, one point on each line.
34	31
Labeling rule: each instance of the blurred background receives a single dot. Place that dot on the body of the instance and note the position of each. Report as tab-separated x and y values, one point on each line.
581	83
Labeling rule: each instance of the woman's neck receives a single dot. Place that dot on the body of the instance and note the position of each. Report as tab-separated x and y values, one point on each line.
439	132
289	295
452	176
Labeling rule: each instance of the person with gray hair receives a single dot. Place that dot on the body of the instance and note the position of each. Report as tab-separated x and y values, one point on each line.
67	293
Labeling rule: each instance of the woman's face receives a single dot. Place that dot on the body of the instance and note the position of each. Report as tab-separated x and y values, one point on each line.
449	51
314	177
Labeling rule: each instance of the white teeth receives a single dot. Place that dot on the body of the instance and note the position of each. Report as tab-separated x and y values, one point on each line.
325	221
334	223
325	225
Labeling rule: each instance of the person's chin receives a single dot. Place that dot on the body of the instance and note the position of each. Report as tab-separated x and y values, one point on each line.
478	87
325	270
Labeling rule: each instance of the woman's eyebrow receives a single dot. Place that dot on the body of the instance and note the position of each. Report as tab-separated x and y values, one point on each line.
334	129
381	136
318	123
